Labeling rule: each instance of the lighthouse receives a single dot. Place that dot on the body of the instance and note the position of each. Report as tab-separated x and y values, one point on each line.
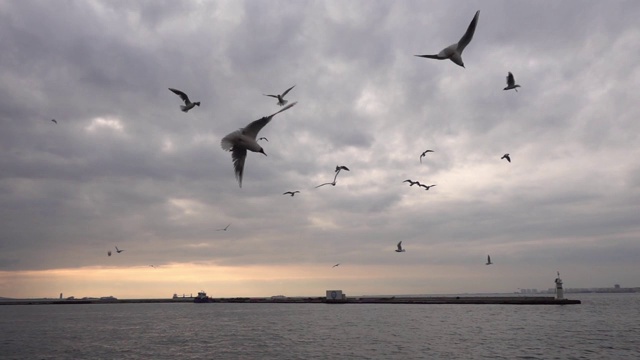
559	290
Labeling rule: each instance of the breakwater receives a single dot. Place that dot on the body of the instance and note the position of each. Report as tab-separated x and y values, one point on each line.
435	300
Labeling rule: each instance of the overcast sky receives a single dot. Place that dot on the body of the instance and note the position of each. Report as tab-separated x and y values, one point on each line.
125	167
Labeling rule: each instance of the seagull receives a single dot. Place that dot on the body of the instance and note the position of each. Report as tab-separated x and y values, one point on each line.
188	105
290	192
489	260
511	83
118	250
454	52
239	141
225	228
338	169
425	153
281	100
411	183
153	266
109	252
506	156
264	138
338	264
54	121
400	249
427	187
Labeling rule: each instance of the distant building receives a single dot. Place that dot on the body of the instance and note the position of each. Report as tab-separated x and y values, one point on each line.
336	295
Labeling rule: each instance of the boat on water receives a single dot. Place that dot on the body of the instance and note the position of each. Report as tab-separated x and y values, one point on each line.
201	298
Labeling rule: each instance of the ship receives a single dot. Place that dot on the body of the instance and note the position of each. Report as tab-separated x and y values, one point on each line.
202	297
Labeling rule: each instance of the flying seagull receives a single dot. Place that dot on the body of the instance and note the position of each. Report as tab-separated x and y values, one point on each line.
54	121
454	52
239	141
411	183
489	260
290	192
118	250
338	169
338	264
425	153
506	156
109	252
281	100
225	228
511	83
153	266
264	138
188	105
427	187
400	249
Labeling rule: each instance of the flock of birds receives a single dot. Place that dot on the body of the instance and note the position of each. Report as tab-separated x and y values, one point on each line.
246	138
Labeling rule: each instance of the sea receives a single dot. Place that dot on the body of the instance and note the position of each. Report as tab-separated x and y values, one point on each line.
604	326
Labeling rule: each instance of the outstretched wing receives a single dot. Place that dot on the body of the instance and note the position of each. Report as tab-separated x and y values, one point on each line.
182	95
400	245
286	91
273	96
254	127
510	80
238	155
466	38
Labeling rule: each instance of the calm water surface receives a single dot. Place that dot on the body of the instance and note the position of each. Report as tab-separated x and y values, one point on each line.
604	326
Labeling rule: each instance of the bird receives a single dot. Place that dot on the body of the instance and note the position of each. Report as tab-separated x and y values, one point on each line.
109	252
118	250
338	169
427	187
264	138
225	228
511	83
239	141
411	183
54	121
281	100
506	156
290	192
188	105
153	266
338	264
489	260
454	52
425	153
400	249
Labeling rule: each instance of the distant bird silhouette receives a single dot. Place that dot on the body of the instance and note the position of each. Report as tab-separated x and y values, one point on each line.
338	264
427	187
411	183
54	121
281	100
153	266
188	105
338	169
506	156
400	249
290	192
239	141
109	252
425	153
489	260
511	83
118	250
225	228
454	52
264	138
